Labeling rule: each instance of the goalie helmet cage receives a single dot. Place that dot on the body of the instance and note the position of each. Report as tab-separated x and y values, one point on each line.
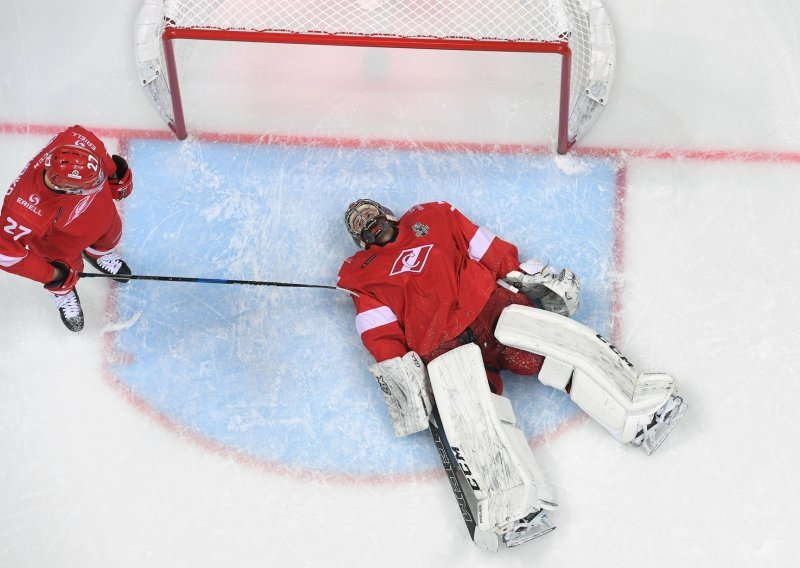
577	30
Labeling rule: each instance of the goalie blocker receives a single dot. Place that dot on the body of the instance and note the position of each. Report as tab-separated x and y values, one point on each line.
636	408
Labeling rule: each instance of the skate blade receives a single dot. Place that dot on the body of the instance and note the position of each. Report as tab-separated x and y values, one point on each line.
651	446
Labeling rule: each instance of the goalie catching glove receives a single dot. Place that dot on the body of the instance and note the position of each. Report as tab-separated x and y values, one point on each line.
406	390
556	292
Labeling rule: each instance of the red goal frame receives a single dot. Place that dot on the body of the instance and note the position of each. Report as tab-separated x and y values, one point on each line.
172	33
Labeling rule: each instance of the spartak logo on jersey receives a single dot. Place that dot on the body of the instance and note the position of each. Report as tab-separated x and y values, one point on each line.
411	260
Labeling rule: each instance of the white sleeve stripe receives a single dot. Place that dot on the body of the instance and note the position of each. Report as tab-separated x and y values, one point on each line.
8	261
480	244
374	318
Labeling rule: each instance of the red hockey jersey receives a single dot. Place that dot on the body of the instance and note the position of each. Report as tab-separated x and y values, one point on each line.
429	284
39	225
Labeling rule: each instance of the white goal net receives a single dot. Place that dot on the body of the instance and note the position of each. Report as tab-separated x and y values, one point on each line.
579	30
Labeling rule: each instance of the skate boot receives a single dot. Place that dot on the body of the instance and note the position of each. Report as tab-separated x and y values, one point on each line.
69	307
111	264
661	425
532	526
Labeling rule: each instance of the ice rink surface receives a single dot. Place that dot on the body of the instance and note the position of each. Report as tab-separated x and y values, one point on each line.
194	425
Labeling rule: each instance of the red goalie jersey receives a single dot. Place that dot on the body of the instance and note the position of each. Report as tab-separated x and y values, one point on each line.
428	285
40	225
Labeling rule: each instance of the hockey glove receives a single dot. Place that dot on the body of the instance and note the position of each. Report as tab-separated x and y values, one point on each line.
64	280
122	181
558	293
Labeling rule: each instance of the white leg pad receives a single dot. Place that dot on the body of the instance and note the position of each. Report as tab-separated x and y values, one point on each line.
605	384
521	448
491	451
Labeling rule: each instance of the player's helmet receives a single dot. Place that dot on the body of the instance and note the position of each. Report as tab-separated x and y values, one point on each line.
74	169
365	219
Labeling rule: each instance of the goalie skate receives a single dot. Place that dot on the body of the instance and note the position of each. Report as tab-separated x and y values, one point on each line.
528	528
664	420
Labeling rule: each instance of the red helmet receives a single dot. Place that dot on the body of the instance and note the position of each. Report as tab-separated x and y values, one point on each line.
74	169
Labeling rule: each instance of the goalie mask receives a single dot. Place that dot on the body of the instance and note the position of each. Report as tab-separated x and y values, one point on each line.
73	170
370	223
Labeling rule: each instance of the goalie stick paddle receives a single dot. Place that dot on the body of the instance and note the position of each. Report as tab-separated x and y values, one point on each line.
487	541
207	280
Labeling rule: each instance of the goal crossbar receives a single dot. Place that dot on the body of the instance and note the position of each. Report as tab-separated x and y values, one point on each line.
583	94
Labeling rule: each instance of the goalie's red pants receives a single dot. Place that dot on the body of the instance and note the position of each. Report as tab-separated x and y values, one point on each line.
496	356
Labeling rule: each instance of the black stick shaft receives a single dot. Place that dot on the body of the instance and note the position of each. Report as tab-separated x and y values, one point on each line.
205	280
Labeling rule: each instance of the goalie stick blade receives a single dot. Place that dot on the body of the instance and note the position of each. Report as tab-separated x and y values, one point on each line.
482	539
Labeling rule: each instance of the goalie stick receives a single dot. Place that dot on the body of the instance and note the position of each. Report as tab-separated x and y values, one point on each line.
458	483
534	525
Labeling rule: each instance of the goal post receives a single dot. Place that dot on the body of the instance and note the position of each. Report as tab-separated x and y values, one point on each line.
579	31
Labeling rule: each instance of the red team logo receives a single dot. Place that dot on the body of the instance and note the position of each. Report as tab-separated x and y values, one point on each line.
411	260
79	209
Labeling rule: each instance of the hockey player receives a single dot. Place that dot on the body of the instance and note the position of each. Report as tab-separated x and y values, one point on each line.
443	305
60	208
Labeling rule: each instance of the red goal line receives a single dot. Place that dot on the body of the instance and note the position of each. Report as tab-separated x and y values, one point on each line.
624	154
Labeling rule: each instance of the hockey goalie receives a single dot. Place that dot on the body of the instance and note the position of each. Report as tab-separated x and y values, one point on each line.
443	306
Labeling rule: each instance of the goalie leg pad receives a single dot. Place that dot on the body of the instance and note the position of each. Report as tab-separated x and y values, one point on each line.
604	384
491	451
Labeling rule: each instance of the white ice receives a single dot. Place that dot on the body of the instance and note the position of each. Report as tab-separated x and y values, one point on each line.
704	114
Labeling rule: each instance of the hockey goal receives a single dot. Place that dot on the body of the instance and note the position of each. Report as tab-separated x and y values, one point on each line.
577	30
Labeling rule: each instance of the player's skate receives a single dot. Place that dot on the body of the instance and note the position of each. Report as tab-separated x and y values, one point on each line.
532	526
110	263
664	420
69	307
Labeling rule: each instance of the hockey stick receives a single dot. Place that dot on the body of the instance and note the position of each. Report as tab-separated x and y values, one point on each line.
485	540
208	280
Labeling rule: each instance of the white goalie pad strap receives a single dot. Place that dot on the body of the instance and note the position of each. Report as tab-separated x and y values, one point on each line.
605	384
406	391
491	451
555	373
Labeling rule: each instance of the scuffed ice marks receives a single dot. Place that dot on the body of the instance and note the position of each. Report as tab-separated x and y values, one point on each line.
190	159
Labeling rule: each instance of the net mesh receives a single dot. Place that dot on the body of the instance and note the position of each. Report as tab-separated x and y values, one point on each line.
502	20
538	23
